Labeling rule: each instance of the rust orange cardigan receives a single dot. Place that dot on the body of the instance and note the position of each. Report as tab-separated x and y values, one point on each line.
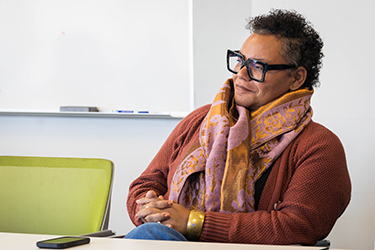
306	191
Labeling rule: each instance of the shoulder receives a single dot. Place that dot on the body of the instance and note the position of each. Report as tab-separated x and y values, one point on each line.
318	145
199	112
188	127
319	128
186	132
315	133
194	119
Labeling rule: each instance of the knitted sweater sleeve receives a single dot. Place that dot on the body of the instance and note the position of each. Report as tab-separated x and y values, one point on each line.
314	191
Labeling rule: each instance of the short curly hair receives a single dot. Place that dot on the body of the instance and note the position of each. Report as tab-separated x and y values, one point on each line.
303	45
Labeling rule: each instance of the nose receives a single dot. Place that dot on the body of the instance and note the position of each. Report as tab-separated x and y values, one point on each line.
243	73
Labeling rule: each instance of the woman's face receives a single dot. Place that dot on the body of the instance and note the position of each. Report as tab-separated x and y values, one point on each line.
251	94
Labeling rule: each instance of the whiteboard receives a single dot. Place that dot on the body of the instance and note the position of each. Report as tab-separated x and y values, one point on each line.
111	54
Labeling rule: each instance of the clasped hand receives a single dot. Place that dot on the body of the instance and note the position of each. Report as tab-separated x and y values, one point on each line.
155	209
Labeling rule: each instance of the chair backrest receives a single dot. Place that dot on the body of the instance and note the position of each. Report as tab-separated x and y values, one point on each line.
49	195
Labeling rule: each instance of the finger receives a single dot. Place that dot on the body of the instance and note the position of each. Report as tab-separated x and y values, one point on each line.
153	213
146	200
160	204
168	225
151	194
143	206
143	213
157	203
157	217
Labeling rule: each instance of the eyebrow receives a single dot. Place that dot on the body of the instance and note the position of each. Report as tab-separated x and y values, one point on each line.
257	59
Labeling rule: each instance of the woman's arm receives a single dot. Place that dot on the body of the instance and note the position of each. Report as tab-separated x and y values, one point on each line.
155	177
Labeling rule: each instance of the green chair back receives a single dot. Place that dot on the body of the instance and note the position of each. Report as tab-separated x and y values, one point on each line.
49	195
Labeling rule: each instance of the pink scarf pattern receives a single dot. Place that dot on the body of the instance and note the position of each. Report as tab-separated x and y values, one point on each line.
235	148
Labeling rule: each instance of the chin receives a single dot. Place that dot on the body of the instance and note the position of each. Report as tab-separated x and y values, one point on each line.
247	105
242	104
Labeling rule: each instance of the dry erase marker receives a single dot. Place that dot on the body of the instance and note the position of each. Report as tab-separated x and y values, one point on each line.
143	112
125	111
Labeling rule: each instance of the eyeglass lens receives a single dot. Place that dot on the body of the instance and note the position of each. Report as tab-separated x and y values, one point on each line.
255	70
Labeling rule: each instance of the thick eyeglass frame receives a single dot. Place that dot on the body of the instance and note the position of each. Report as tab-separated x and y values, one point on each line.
246	63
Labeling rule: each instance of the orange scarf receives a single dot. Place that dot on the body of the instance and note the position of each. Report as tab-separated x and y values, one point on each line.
235	148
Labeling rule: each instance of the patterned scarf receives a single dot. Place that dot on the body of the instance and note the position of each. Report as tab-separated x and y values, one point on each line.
235	148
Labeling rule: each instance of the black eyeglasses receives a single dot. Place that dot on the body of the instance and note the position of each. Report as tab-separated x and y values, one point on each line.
256	69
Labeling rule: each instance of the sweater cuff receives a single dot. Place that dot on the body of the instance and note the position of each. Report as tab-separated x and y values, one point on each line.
216	226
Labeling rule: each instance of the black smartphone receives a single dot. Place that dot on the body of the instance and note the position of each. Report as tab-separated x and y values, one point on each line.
63	242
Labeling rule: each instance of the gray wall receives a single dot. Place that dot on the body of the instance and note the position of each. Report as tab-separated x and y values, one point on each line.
343	103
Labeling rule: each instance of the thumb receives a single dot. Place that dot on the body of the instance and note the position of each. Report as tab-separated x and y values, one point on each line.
151	194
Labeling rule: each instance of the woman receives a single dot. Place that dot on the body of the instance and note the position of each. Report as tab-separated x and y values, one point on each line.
252	167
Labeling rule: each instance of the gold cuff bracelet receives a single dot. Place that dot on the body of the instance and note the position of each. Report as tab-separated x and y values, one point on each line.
194	225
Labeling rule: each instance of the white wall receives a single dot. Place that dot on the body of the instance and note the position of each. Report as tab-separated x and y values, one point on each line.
343	103
217	26
129	143
112	54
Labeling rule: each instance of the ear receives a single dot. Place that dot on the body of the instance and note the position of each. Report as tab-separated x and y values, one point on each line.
299	78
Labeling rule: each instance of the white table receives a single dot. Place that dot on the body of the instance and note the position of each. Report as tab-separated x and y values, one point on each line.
13	241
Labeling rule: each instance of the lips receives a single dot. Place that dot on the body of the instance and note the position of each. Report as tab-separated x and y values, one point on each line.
243	88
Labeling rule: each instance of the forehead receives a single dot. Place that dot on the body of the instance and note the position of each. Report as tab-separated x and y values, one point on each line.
267	48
